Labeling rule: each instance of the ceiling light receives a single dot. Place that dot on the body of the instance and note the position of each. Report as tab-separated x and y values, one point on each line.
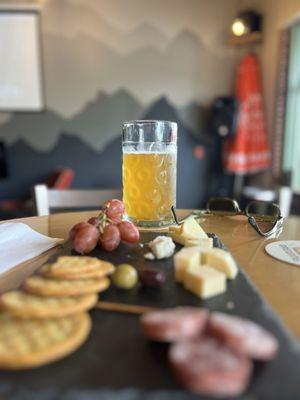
239	28
245	23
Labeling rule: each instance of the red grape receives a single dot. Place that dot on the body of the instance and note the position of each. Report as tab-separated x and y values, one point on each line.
129	232
94	221
86	239
110	238
75	228
114	209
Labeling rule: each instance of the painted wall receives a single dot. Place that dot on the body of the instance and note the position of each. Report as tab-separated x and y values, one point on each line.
106	61
278	14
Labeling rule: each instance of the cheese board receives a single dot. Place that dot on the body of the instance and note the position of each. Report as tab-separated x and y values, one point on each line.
117	362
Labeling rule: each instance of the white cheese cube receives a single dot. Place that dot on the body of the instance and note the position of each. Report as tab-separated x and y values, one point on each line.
162	247
185	258
204	281
222	261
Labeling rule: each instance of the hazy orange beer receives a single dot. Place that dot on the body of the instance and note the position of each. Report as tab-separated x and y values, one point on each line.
149	171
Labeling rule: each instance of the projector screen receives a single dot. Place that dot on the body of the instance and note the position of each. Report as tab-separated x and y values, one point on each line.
20	61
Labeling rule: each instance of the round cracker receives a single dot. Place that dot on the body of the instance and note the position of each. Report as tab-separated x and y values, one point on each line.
61	288
32	343
104	269
25	305
75	264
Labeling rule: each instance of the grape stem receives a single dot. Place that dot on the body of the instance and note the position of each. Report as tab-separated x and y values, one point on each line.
104	220
100	215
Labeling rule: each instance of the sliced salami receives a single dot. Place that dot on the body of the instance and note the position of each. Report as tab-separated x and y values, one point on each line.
174	324
243	335
208	367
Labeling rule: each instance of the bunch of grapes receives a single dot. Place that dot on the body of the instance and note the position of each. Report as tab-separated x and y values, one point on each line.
107	230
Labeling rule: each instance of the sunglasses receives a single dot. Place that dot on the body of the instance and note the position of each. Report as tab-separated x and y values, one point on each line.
263	216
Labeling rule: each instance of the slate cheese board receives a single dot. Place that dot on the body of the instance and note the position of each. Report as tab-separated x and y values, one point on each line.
116	362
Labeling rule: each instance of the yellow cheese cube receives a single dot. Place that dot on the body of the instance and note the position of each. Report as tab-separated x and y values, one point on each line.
186	258
204	281
222	261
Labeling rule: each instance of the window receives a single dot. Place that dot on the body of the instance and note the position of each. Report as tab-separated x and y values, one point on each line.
20	69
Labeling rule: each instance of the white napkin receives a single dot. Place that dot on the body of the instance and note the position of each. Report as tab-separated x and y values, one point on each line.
19	243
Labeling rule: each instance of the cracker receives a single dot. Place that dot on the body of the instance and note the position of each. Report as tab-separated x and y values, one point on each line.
25	305
32	343
60	288
104	268
75	264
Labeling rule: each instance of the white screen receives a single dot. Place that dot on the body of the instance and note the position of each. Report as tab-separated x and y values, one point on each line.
20	74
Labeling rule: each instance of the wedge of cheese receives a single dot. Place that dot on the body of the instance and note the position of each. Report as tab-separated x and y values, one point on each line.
192	230
204	281
186	258
188	230
205	243
222	261
175	229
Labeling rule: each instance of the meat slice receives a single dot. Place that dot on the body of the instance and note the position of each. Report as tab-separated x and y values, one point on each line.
243	335
206	366
174	324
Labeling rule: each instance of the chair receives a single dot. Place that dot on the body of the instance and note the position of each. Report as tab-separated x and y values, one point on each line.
46	198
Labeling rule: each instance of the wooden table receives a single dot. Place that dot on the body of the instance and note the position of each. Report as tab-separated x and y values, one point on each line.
278	282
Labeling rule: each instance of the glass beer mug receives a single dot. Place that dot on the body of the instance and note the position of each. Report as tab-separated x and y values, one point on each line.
149	171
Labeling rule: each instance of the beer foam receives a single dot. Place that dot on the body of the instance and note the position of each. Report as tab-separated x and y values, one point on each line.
149	148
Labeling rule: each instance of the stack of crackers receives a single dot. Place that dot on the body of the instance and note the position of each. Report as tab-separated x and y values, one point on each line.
47	319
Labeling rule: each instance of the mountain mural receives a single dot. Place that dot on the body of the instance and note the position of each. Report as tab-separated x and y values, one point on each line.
101	168
96	125
185	70
196	118
64	18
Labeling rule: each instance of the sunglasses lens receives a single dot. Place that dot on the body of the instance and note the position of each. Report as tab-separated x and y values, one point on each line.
263	210
222	205
266	214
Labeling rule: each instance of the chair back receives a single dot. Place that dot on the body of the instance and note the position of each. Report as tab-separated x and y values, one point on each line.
46	198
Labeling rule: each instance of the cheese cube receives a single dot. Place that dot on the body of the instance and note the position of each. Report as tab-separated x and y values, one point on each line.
186	258
204	281
222	261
